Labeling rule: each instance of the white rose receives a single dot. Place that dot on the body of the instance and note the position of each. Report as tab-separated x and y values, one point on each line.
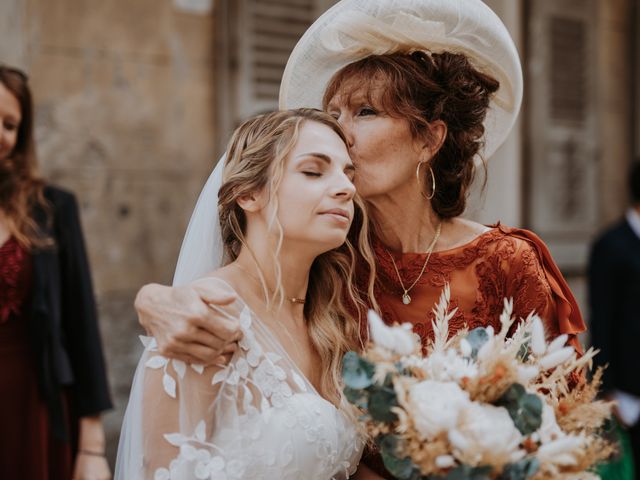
486	435
436	406
399	339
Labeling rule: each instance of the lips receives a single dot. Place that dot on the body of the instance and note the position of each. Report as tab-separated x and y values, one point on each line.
339	212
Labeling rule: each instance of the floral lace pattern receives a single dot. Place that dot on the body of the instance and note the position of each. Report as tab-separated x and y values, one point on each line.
15	278
481	274
258	417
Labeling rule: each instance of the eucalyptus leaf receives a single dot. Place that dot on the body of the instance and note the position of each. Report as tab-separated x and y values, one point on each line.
381	399
357	372
477	338
358	397
525	409
522	470
401	468
465	472
387	443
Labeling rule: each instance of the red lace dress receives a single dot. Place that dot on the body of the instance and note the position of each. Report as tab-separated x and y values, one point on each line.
501	263
26	450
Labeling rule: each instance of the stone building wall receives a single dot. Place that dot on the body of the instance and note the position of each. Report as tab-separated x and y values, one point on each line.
125	109
616	31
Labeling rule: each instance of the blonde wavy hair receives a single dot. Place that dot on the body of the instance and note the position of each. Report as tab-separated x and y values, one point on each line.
333	306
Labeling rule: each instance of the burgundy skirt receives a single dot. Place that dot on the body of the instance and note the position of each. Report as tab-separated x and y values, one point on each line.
27	449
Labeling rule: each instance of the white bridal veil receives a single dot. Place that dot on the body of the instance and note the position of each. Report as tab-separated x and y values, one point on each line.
202	250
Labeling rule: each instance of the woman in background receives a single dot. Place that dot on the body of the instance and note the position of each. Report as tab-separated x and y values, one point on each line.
53	382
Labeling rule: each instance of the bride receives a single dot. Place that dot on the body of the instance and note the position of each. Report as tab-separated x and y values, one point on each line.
286	204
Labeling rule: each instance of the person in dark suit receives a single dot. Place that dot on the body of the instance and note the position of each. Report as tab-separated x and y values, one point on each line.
614	298
53	383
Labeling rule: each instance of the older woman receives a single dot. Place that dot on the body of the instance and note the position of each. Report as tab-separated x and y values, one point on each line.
420	87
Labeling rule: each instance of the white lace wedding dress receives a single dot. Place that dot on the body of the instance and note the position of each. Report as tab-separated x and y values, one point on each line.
258	418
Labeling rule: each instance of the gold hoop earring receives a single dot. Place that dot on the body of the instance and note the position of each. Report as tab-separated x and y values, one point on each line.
433	185
433	181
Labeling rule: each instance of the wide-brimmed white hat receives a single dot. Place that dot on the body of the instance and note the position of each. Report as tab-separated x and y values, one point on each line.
354	29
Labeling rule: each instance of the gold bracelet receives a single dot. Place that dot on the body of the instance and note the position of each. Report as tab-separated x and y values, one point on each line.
91	453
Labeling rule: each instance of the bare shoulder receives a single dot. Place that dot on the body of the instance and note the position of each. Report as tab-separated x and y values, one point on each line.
458	231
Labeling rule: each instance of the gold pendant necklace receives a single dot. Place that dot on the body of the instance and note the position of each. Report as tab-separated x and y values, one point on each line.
406	298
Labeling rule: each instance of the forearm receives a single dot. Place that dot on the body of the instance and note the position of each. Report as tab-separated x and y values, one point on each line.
92	438
147	296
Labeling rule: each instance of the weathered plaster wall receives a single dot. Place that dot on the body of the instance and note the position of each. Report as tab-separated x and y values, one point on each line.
615	106
501	199
125	118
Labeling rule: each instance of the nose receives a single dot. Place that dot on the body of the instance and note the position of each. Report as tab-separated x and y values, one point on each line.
347	128
345	190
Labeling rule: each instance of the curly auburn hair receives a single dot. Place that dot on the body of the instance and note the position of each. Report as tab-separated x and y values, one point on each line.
21	188
423	87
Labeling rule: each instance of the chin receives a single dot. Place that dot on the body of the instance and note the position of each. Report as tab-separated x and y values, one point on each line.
331	242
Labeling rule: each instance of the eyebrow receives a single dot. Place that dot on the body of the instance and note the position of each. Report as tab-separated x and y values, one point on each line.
326	159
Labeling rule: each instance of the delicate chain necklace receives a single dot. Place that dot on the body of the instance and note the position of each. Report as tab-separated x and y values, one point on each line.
406	298
295	300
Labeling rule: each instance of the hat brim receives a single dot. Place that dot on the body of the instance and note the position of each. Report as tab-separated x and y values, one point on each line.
355	29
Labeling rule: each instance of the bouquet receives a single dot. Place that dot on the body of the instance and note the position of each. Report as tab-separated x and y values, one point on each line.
481	404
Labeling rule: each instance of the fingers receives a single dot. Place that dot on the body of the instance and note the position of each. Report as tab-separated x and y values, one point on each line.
192	352
230	348
210	291
218	326
223	360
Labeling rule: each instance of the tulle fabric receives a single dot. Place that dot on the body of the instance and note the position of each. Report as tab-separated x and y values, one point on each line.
257	418
202	250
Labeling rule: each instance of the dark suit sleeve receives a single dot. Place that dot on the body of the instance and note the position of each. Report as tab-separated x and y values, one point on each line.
602	304
79	314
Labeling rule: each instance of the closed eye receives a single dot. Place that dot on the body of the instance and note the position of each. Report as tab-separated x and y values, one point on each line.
350	172
311	174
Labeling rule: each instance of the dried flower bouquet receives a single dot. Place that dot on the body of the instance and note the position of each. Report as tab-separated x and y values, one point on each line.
479	405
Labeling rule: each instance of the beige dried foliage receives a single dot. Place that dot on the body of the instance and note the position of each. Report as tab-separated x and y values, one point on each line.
496	379
579	411
596	451
555	384
424	454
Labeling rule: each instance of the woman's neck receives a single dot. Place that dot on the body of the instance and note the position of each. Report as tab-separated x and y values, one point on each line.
404	222
258	262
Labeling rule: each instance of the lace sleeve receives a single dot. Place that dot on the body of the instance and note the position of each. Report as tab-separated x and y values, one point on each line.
529	288
534	287
258	417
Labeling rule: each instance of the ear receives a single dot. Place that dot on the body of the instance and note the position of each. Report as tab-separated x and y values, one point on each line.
437	134
251	202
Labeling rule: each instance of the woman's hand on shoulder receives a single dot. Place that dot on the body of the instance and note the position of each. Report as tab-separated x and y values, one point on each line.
184	324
